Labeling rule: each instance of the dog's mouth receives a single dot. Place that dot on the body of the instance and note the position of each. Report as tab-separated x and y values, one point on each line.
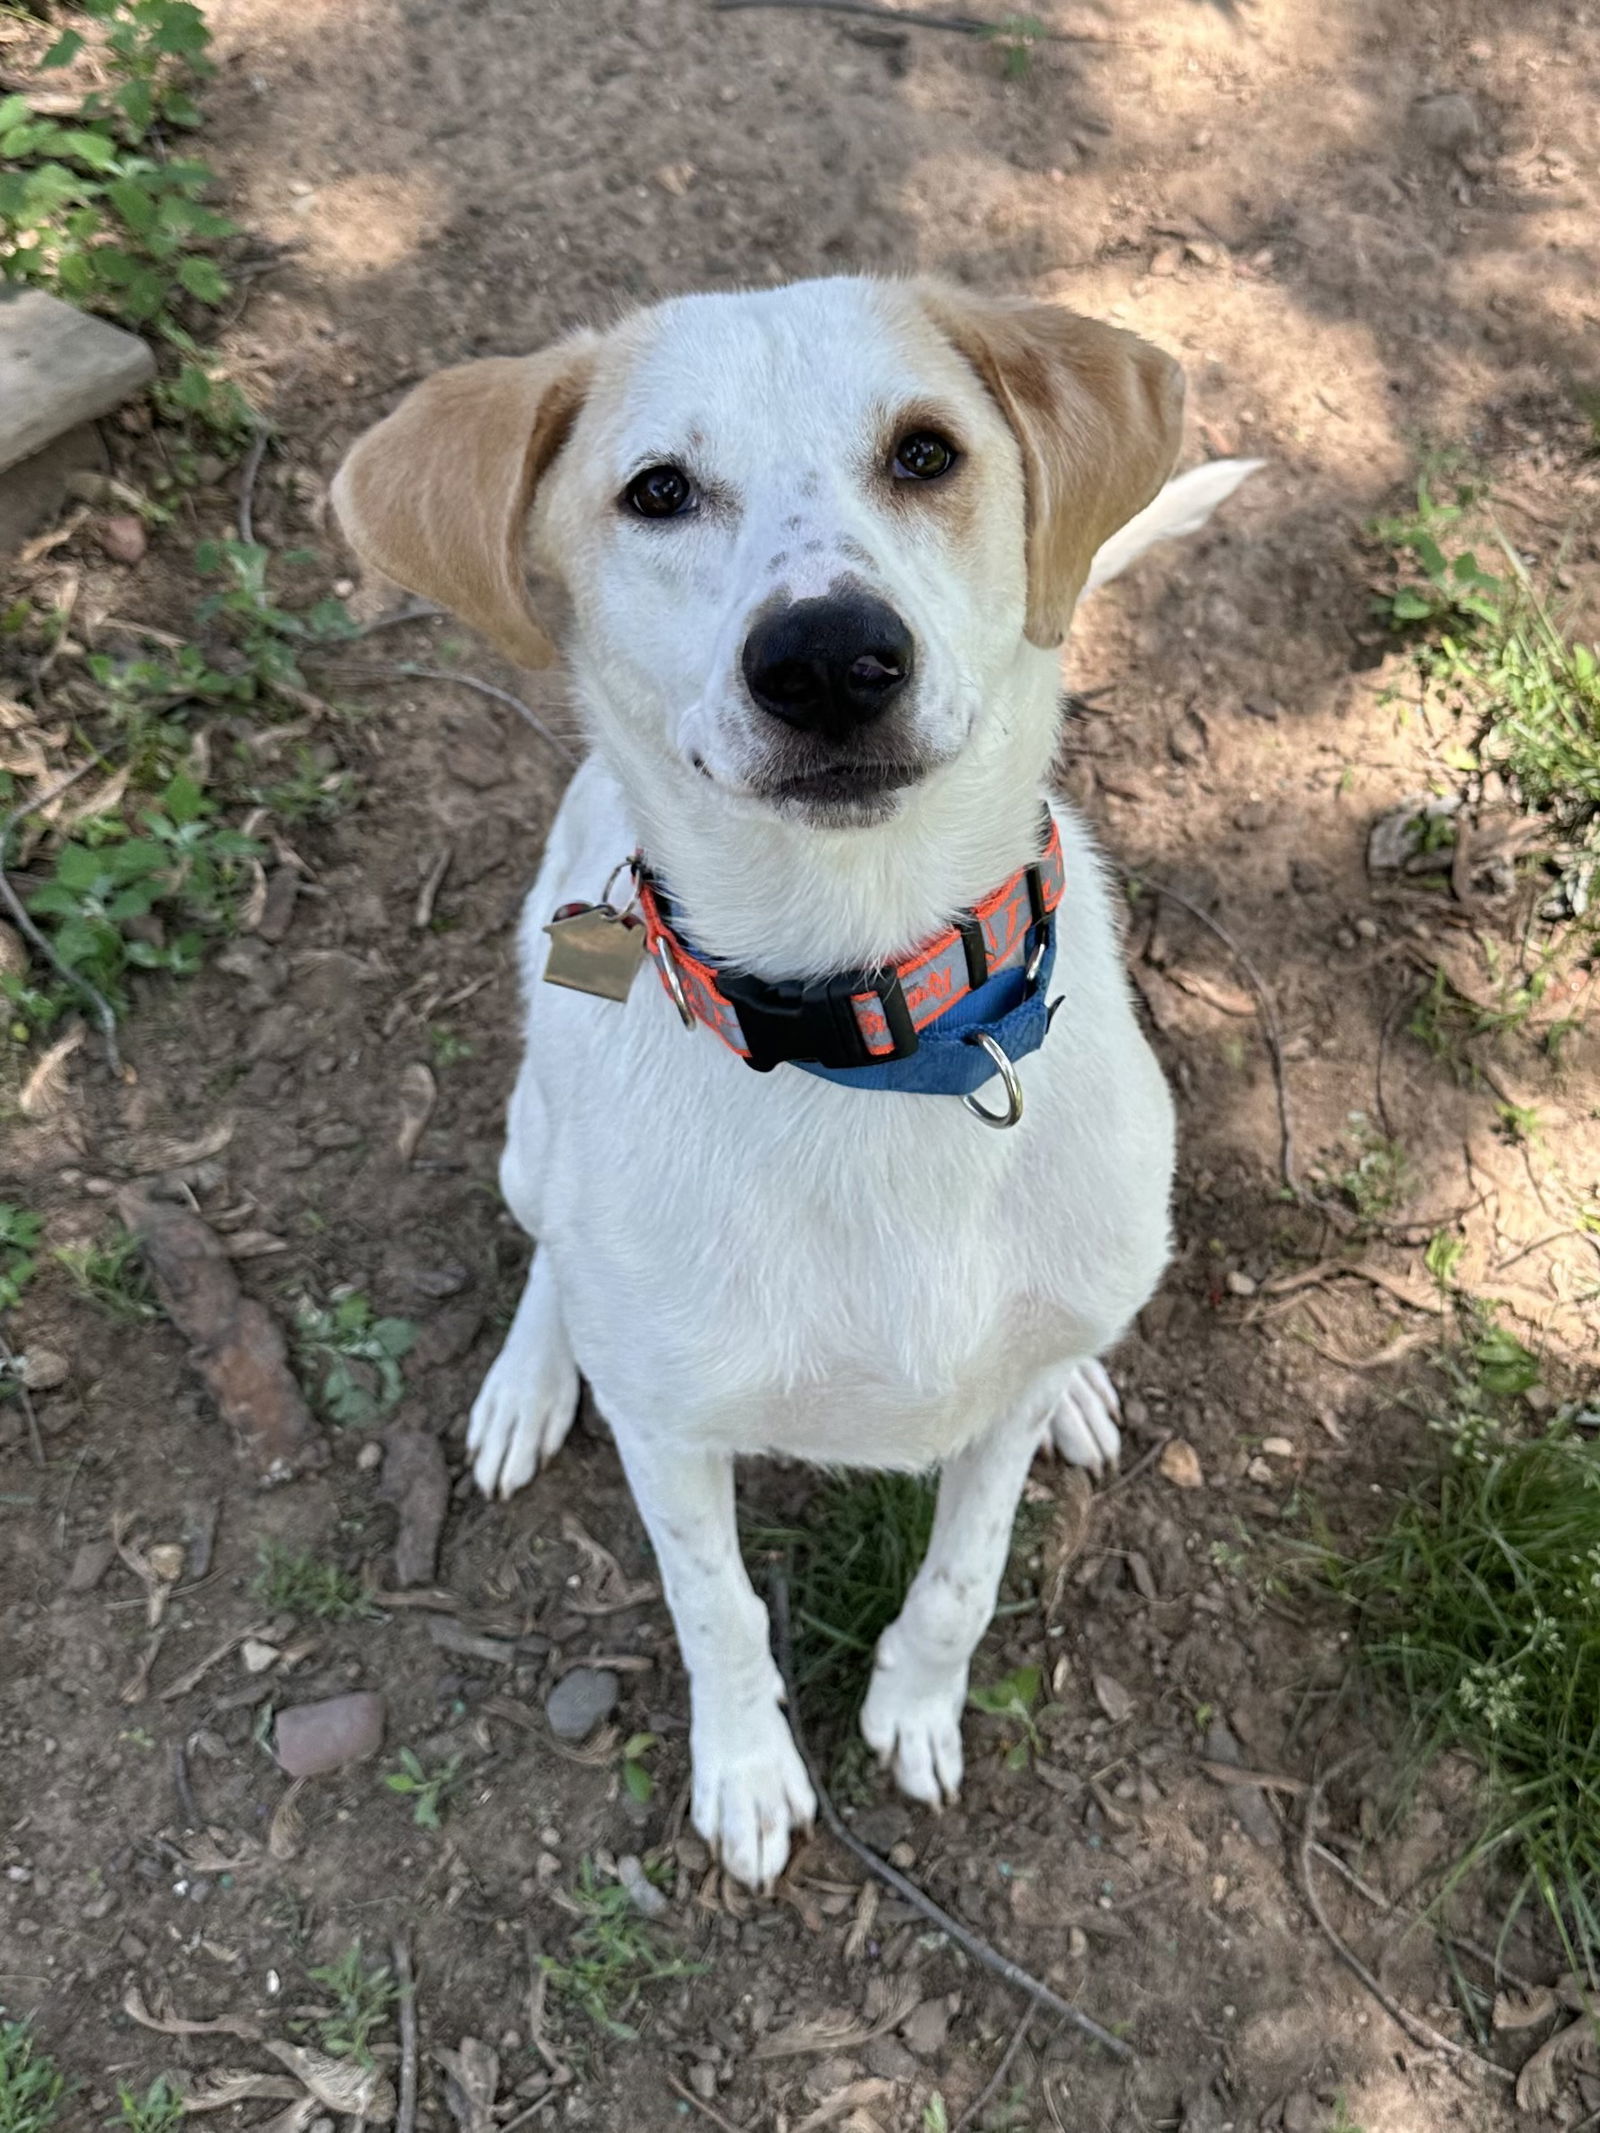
842	791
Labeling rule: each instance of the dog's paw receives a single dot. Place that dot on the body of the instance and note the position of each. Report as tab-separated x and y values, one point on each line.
911	1721
521	1417
751	1793
1083	1422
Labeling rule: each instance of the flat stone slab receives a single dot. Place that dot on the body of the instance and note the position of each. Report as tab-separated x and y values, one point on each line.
59	367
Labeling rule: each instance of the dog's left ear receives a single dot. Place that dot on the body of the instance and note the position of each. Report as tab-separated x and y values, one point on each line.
1098	418
437	495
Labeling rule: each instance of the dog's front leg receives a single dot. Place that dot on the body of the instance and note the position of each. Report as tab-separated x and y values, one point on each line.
751	1792
912	1715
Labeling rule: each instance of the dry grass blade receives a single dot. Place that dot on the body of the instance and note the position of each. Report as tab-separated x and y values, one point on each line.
837	2032
606	1589
286	1831
171	2025
339	2085
232	2085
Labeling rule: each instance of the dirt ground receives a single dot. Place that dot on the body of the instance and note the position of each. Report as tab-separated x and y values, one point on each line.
1350	270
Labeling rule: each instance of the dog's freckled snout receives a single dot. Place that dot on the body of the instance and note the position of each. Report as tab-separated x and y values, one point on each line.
829	665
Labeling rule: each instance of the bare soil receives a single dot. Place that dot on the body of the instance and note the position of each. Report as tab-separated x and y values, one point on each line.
1255	186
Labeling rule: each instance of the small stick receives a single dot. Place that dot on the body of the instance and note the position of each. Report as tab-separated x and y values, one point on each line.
405	2117
963	25
247	487
29	1412
188	1806
500	696
992	2087
522	2117
413	611
681	2088
1421	2033
891	1877
1148	1459
104	1013
1496	1964
1269	1014
1384	1034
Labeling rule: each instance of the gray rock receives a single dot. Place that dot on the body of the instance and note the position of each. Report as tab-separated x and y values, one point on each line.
580	1700
926	2028
59	367
313	1738
1446	122
888	2058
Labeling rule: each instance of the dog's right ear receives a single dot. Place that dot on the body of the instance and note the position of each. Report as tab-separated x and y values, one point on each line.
437	495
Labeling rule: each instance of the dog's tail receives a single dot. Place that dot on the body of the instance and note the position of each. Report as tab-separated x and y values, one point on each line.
1183	506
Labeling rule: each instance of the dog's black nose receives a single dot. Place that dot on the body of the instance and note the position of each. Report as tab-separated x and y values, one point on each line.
830	665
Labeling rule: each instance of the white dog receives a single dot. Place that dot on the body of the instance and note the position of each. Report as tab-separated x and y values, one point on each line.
818	549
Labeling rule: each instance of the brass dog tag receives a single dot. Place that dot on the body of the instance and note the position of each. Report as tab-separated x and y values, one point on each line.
594	949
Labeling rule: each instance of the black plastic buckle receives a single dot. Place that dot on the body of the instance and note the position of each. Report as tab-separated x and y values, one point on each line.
816	1022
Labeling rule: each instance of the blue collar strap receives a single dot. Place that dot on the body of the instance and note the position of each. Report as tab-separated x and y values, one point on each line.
935	1023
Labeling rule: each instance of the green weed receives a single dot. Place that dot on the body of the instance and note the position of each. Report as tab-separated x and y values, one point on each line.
1015	1698
426	1791
19	1241
350	1359
1015	39
613	1954
636	1777
1488	642
32	2087
312	790
120	899
269	637
1478	1608
848	1563
158	2110
299	1583
112	1276
1378	1179
362	1995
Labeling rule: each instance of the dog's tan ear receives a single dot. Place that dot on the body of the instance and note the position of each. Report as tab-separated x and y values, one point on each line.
1097	415
437	495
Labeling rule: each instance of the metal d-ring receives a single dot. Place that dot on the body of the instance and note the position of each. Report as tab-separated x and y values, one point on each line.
673	983
1008	1074
1036	961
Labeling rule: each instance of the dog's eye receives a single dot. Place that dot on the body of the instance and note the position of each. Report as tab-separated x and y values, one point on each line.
660	492
923	456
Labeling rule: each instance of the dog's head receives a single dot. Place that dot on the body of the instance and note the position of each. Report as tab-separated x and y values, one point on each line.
804	536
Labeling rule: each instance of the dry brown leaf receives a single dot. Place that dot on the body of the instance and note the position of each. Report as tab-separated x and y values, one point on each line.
1524	2010
1116	1701
605	1589
209	1854
1212	992
419	1092
253	1244
855	1941
1570	2047
232	2084
471	2084
339	2085
171	2025
837	2030
286	1831
854	2096
45	1090
1180	1464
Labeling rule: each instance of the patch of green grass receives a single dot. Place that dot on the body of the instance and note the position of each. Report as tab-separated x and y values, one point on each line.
447	1045
1489	643
848	1563
362	1994
612	1955
1342	2122
426	1790
351	1359
313	789
32	2086
1478	1609
300	1583
19	1242
158	2110
112	1276
1016	38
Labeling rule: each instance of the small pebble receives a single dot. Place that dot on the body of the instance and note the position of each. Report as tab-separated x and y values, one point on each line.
123	537
313	1738
44	1371
580	1700
1239	1284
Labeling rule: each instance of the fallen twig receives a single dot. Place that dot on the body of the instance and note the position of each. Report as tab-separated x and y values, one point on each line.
29	1412
996	2081
405	2117
413	611
1496	1964
698	2103
952	1928
1269	1014
1421	2033
188	1806
247	487
903	18
1140	1465
104	1013
407	670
